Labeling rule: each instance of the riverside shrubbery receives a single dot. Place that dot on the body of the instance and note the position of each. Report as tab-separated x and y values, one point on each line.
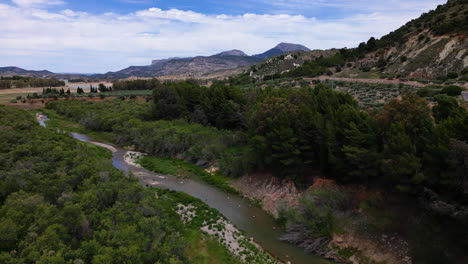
288	131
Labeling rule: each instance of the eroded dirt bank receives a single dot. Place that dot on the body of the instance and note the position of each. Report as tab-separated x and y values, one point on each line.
348	246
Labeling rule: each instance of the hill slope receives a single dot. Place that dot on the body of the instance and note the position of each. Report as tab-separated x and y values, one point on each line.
429	47
434	46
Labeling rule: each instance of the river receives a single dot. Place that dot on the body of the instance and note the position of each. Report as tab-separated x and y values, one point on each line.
254	221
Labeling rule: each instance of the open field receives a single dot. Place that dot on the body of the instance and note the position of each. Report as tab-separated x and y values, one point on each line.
6	95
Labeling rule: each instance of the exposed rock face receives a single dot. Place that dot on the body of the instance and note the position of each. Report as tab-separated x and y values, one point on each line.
271	191
428	59
275	193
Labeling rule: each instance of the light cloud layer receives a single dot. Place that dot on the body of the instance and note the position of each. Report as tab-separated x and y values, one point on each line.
69	41
29	3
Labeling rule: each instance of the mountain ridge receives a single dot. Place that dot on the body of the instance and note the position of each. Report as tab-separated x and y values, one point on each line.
190	67
201	65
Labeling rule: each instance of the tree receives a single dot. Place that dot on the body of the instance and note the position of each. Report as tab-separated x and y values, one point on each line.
412	112
272	125
399	165
446	106
371	44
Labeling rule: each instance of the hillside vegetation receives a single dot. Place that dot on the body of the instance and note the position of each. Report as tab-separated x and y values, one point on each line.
24	82
404	148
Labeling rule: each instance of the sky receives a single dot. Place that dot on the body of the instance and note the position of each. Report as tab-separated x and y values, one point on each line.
97	36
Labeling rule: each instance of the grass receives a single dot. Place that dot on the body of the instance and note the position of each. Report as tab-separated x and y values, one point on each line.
98	151
59	122
202	249
5	98
184	169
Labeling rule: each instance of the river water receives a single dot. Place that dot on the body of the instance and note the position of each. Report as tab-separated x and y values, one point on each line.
253	220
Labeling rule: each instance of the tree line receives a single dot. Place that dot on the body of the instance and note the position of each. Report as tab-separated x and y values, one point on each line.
403	146
24	82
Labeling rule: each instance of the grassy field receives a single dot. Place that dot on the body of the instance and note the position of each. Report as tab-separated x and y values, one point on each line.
203	249
184	169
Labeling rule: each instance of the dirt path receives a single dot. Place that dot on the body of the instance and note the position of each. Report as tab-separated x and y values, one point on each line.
374	81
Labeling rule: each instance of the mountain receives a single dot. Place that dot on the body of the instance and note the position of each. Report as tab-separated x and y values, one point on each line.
232	53
281	49
189	67
199	66
16	71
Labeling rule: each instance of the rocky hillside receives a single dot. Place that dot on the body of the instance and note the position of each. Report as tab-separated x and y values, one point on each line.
277	65
433	46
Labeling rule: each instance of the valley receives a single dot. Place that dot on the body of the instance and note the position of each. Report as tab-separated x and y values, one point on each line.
290	155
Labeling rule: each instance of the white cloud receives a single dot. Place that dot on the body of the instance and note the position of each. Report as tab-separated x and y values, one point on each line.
70	41
28	3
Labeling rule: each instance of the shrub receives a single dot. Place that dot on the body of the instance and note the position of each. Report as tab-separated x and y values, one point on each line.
452	90
366	69
452	75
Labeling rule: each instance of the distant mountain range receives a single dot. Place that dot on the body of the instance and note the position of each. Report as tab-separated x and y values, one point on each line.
188	67
200	65
16	71
10	71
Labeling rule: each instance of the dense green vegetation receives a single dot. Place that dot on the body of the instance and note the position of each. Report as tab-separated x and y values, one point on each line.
290	131
72	206
135	85
24	82
319	66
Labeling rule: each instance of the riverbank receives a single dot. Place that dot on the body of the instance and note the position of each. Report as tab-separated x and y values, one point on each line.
354	229
256	223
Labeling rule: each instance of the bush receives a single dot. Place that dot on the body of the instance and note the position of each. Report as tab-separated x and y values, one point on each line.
452	90
452	75
366	69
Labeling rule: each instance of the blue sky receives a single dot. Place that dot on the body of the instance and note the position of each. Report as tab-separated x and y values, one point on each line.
105	35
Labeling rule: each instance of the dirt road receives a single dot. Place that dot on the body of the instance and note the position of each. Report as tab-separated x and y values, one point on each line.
374	81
